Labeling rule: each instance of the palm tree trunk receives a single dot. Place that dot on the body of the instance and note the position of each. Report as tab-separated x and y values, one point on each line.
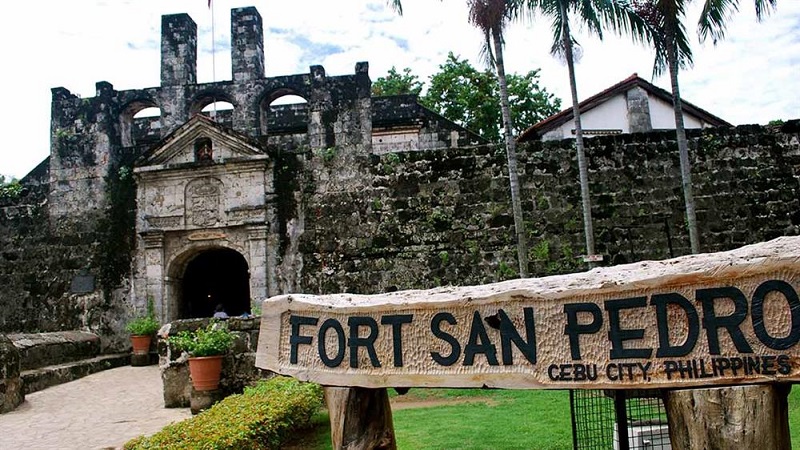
588	229
511	153
683	149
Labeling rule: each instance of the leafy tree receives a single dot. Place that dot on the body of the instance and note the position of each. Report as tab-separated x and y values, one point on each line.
395	83
673	53
469	97
617	15
10	188
530	103
466	96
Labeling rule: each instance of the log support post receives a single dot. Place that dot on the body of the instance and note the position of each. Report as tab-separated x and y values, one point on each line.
746	417
361	418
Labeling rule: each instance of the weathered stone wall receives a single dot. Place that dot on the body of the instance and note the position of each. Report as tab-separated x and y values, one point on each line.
36	270
424	219
357	223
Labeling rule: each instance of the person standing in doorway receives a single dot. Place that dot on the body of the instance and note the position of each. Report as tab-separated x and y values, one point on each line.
219	312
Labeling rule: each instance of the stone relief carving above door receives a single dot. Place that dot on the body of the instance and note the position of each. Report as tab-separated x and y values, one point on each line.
203	202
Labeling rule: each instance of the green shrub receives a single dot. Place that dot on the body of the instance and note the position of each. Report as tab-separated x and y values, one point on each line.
215	339
263	417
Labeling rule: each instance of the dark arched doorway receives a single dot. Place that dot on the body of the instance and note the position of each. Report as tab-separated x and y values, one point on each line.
217	276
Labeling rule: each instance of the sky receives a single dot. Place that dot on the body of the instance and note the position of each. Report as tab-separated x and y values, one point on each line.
751	77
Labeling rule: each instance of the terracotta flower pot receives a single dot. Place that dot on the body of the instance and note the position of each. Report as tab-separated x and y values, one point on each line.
141	344
205	372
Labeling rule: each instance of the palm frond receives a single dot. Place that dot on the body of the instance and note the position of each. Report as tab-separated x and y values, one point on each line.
587	11
557	26
764	7
622	17
396	5
490	16
714	17
486	53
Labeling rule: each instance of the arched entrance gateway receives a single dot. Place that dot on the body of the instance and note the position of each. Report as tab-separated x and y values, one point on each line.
202	218
218	276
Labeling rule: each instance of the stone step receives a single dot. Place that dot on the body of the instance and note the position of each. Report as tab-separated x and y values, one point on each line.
44	377
47	349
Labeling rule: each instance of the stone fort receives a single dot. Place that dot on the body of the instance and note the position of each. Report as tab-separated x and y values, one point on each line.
343	193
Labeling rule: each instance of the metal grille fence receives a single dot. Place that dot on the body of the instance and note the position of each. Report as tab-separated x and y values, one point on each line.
618	420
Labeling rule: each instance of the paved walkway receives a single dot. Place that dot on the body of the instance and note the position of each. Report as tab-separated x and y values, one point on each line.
101	411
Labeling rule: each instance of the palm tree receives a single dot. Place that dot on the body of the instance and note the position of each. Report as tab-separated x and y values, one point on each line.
674	53
491	16
619	16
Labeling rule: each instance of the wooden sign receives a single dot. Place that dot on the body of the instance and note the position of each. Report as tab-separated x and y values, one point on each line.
713	319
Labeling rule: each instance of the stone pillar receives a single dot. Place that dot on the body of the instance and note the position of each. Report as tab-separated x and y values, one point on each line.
247	44
178	69
257	255
154	274
364	106
638	111
320	125
178	50
272	245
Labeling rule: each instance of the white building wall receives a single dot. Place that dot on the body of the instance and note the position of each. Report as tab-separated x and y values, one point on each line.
663	118
613	115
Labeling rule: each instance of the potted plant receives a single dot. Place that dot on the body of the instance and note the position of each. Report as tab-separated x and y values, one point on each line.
206	346
142	330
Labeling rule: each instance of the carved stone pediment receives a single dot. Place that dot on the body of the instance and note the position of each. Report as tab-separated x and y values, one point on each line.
201	141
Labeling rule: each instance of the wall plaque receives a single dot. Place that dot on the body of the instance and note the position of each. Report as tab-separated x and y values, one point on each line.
206	235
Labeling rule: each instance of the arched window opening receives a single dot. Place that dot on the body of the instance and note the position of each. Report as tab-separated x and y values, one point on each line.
219	111
140	123
217	108
215	277
148	112
285	115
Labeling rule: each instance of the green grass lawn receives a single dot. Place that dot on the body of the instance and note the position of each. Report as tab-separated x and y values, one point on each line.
794	416
497	419
489	419
511	420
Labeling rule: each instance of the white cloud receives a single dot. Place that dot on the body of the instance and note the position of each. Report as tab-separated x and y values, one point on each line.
752	77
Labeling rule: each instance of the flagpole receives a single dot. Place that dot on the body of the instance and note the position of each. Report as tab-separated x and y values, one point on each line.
213	56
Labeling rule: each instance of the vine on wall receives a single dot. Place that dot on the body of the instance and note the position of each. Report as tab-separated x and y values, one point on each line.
117	229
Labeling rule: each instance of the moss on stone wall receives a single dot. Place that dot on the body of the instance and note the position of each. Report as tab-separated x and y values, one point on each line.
117	230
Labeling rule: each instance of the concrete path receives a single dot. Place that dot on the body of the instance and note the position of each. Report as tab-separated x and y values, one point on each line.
101	411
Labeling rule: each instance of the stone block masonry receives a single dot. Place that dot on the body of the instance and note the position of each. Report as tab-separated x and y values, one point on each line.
424	219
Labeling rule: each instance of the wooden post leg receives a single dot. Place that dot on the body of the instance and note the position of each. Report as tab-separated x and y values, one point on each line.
361	418
742	417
